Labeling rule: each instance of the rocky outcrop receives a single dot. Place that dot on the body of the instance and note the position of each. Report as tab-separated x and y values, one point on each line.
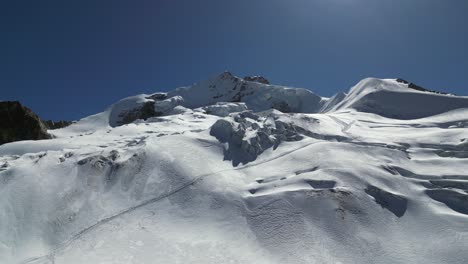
157	96
56	124
259	79
142	111
18	122
417	87
142	107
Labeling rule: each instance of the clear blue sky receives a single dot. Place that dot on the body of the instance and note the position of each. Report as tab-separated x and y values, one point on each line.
70	59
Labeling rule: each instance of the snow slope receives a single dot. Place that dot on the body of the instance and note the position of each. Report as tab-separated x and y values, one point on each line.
393	99
207	180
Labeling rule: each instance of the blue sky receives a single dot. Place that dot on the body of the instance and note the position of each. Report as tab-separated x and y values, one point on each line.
70	59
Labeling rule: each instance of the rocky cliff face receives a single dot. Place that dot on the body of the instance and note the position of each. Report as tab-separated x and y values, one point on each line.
20	123
259	79
50	124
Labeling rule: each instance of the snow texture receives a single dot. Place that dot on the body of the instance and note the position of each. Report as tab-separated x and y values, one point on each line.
236	171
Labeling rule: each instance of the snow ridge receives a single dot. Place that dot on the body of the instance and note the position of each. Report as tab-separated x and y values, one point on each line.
234	170
386	97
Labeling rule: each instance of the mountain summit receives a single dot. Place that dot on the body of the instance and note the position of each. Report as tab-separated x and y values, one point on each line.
386	97
237	170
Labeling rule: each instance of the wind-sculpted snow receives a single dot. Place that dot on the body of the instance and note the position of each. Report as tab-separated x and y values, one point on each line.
215	181
393	202
456	200
457	151
393	99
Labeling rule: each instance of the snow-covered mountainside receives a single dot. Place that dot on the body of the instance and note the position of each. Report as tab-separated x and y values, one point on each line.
235	170
393	99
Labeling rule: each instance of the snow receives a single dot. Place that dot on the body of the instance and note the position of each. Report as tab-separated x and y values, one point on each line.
126	105
257	96
389	98
223	109
165	106
332	181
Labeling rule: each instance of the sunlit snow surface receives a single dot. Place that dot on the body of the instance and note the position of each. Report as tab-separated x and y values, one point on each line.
355	188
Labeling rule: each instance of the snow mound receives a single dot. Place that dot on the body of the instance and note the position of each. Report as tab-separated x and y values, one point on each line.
393	99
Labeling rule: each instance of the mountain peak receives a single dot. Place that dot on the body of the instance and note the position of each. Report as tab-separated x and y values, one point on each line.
243	171
226	75
226	93
259	79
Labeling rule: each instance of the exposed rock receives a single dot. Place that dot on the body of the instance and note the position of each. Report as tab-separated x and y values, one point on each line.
157	96
143	107
145	111
259	79
20	123
417	87
281	106
56	124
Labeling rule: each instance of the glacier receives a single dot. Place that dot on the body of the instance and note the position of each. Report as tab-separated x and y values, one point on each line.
231	170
